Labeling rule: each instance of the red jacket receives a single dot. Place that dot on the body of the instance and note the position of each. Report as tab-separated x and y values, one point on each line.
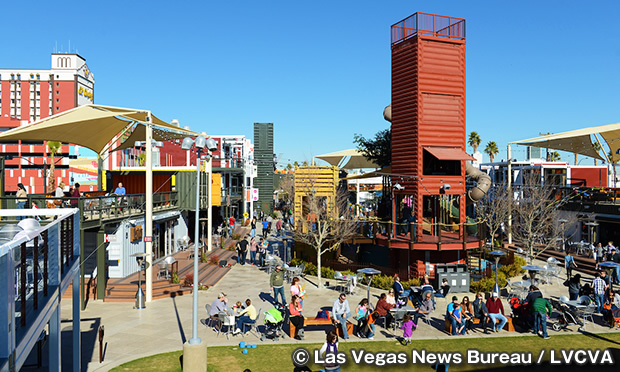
383	307
495	307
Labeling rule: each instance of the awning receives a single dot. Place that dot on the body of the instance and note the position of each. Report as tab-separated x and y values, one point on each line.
139	134
348	159
378	173
579	141
448	153
91	126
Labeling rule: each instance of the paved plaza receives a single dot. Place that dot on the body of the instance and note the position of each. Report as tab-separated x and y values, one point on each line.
167	323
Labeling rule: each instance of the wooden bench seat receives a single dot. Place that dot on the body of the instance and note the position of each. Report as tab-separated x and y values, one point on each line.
315	321
508	327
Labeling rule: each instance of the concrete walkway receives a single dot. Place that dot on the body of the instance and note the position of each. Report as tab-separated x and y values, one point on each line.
167	323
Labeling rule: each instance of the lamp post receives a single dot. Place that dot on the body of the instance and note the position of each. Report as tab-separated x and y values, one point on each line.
200	143
497	255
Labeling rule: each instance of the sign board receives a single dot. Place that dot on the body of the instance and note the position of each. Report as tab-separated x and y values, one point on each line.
107	238
216	190
148	238
254	194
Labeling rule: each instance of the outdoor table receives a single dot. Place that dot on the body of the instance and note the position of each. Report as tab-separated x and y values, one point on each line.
369	271
407	308
532	270
609	267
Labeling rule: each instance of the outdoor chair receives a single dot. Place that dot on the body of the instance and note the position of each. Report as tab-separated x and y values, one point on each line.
208	322
254	326
398	319
226	321
339	281
163	270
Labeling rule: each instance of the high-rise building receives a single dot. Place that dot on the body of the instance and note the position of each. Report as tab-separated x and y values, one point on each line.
264	159
28	95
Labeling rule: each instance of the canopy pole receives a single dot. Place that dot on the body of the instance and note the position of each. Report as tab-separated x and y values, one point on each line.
148	238
509	196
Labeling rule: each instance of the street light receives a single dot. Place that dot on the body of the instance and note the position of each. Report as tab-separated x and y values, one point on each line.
199	143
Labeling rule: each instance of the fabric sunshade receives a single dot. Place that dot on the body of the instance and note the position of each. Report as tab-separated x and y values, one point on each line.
355	159
378	173
448	153
579	141
139	134
91	126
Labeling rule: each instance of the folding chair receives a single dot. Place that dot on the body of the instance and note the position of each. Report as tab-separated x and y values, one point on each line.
254	326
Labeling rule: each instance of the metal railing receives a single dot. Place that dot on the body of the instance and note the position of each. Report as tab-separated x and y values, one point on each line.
429	25
100	207
35	269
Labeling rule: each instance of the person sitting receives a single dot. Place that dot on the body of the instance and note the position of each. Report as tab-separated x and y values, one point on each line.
390	297
480	311
341	311
399	291
296	316
611	308
246	316
496	312
383	309
453	313
426	286
426	307
219	305
444	289
467	313
361	315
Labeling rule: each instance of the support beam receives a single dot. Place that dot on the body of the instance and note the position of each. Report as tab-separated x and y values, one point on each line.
148	241
509	196
101	264
54	342
77	344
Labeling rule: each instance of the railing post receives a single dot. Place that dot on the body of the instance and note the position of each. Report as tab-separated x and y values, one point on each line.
23	284
35	273
464	227
45	260
438	237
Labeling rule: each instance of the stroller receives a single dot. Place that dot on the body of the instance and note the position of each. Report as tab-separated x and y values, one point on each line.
522	316
274	319
567	317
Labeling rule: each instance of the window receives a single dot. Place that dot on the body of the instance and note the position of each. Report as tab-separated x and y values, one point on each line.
433	166
56	84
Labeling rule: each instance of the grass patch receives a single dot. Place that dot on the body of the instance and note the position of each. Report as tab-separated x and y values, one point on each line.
277	357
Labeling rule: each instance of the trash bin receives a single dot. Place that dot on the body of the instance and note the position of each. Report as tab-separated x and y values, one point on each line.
457	275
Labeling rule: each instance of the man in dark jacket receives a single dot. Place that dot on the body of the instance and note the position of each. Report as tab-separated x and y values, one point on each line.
480	311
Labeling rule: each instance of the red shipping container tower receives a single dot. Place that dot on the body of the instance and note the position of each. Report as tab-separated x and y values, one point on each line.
428	116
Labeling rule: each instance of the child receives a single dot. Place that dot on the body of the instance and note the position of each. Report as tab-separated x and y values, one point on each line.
407	327
360	314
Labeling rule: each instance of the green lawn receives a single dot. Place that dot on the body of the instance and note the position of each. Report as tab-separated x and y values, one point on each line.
269	357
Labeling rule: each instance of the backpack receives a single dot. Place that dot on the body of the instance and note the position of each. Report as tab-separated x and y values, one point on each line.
322	314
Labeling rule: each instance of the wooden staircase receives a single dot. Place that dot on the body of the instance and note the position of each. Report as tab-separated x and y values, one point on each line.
124	290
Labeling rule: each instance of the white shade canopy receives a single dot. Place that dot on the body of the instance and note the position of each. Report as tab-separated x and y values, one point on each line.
348	159
579	141
92	126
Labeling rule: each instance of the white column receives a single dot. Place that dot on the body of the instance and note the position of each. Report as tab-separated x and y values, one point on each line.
77	345
210	202
54	341
509	196
148	244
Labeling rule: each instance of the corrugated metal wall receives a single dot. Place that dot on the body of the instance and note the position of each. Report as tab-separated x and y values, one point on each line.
263	156
186	190
428	109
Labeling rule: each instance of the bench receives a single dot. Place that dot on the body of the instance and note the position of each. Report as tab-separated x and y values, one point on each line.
508	327
315	321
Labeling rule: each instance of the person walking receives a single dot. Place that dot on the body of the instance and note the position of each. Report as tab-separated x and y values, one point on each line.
407	327
599	254
242	250
21	198
574	287
279	227
265	229
569	264
253	227
276	282
75	194
331	347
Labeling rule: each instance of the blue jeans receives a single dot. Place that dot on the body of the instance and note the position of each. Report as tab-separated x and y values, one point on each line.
253	232
502	321
573	296
21	205
455	325
600	301
342	318
253	257
371	333
540	323
617	278
280	291
242	321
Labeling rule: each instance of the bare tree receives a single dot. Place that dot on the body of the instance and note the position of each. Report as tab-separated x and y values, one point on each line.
536	217
287	190
494	209
326	221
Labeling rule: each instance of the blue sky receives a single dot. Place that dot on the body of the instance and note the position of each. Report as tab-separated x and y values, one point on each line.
320	71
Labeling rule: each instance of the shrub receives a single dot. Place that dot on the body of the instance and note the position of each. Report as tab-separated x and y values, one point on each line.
514	269
188	281
214	259
236	236
486	284
203	257
175	277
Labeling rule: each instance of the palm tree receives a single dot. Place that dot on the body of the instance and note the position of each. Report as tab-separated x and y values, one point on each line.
296	164
554	156
491	150
474	141
305	163
289	166
54	148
